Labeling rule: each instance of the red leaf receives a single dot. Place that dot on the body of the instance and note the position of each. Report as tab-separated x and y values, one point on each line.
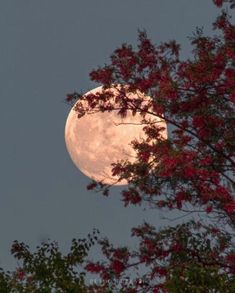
117	267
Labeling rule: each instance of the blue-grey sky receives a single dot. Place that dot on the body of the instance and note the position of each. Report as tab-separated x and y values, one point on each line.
48	49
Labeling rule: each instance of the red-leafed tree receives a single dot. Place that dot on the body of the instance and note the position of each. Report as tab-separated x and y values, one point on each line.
191	171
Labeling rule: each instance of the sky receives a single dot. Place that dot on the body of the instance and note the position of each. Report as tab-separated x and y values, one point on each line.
47	50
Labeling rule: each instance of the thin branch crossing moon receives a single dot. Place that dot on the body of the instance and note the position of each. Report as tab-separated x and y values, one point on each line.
97	140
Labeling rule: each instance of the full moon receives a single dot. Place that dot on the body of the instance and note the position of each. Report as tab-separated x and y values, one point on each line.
97	140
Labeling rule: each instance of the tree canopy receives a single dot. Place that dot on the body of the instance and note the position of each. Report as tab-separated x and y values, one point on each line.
192	171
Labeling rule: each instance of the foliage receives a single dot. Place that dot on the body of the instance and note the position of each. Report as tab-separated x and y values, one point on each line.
48	270
192	171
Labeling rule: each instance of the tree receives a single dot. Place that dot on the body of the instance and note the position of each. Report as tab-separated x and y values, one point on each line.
192	172
47	270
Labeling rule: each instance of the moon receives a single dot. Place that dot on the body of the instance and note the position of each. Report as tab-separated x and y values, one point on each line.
97	140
